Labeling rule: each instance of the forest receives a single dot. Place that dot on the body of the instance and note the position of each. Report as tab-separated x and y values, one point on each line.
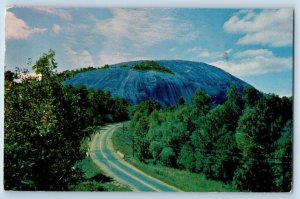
246	141
46	124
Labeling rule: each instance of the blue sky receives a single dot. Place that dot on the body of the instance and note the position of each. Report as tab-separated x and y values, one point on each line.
254	45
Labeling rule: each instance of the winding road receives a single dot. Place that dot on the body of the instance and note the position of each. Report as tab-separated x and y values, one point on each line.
105	157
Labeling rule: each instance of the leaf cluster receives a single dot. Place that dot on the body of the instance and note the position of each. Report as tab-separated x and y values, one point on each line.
149	65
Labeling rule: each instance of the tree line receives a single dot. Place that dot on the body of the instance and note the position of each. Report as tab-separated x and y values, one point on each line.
246	141
45	124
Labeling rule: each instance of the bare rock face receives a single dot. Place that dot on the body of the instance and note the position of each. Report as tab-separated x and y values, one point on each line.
164	88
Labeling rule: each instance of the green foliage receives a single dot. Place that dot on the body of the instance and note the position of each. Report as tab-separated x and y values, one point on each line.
186	157
71	73
123	141
140	127
167	156
213	144
9	76
155	149
45	123
213	139
175	177
184	180
148	65
45	65
251	96
259	129
234	107
94	179
245	141
106	66
202	102
283	156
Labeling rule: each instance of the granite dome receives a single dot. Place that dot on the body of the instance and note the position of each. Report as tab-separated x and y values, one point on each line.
164	88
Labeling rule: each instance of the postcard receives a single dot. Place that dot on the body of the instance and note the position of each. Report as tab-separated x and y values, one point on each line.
148	99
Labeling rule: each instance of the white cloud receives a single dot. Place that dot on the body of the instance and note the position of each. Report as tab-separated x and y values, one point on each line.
130	31
107	57
205	53
78	59
16	28
172	49
78	35
142	27
61	13
269	27
254	53
254	62
56	29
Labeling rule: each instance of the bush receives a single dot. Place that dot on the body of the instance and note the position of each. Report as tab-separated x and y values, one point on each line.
167	157
155	149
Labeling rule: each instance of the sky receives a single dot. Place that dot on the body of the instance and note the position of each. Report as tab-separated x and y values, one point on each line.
254	45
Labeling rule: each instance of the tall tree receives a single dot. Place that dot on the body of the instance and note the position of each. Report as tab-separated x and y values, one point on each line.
45	123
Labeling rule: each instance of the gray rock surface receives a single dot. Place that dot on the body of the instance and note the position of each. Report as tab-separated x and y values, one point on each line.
163	88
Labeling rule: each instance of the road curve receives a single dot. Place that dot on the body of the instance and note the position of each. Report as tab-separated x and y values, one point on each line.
104	156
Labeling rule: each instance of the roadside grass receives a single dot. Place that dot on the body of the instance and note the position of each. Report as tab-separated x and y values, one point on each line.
122	141
181	179
89	168
95	179
184	180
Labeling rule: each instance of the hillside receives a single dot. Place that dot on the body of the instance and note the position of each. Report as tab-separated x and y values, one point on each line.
176	78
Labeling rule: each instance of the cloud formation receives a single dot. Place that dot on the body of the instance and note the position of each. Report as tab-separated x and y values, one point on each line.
205	53
129	31
269	27
254	62
16	28
56	29
61	13
78	59
142	27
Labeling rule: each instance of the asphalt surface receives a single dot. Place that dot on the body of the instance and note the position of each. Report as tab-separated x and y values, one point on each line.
105	157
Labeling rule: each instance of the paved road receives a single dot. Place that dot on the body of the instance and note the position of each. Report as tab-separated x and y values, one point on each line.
104	156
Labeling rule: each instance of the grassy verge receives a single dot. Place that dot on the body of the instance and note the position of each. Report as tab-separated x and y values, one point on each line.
122	141
184	180
95	180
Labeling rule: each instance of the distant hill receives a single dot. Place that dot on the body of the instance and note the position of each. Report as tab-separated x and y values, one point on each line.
161	81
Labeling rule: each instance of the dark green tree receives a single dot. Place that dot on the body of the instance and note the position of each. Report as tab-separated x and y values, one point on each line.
45	123
168	157
257	134
186	157
181	101
155	149
202	102
251	96
282	166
